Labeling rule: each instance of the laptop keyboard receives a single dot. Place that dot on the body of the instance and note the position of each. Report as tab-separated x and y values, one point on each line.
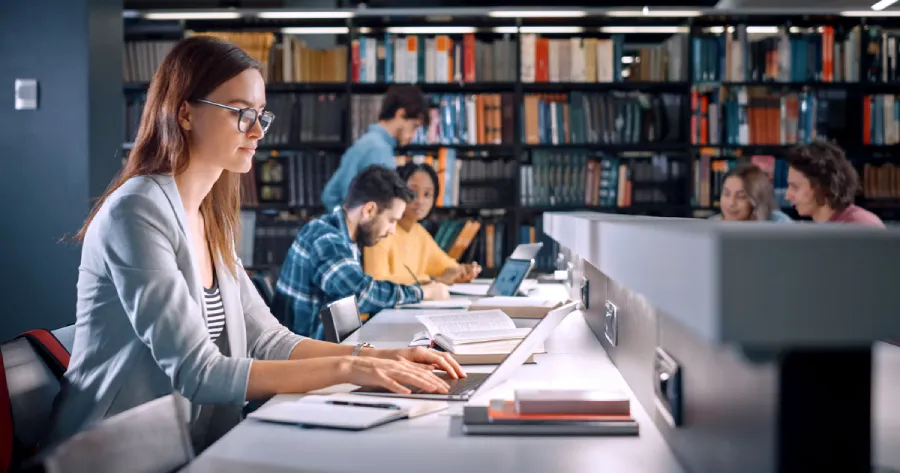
457	386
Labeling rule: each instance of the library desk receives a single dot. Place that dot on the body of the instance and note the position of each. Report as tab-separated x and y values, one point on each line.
435	443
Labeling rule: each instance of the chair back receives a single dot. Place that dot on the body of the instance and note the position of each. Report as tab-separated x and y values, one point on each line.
33	365
264	285
151	438
340	319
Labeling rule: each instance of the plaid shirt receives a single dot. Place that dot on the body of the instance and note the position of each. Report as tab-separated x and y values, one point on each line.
322	266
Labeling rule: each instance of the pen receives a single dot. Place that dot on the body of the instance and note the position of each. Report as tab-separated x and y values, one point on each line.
362	404
411	273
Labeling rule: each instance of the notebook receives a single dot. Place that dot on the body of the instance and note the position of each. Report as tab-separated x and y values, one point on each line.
344	411
448	304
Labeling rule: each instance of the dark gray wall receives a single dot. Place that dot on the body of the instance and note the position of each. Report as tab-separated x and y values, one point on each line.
58	157
729	404
740	413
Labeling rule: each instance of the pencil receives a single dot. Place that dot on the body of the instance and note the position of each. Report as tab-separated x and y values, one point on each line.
411	273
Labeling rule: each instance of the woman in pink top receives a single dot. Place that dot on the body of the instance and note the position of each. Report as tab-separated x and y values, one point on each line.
822	185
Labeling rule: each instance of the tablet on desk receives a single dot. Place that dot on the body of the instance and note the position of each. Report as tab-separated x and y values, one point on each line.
510	277
507	283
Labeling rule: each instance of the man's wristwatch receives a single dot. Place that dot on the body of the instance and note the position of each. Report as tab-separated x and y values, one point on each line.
359	347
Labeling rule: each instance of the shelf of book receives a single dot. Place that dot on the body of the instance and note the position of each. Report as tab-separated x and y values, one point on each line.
612	114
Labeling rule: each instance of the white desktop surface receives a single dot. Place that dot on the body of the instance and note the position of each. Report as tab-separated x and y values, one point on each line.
435	443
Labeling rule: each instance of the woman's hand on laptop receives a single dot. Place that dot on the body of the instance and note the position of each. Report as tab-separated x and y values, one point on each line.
393	374
430	359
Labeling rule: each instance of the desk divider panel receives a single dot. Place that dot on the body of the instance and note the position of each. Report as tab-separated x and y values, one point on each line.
796	399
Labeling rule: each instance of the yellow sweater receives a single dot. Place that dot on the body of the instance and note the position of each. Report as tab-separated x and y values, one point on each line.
415	248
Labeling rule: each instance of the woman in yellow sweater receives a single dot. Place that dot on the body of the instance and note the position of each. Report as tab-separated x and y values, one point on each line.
412	249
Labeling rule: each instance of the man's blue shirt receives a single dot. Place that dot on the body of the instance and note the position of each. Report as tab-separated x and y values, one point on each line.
376	146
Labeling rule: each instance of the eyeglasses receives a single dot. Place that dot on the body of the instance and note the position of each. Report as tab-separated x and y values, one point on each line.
247	116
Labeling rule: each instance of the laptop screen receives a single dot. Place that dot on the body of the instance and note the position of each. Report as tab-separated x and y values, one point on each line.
510	277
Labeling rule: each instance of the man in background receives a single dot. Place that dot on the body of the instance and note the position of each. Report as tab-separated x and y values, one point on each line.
403	110
323	263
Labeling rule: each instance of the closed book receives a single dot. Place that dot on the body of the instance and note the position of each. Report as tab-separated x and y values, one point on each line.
486	358
477	421
517	307
572	401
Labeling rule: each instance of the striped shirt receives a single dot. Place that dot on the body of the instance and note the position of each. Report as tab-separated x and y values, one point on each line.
215	312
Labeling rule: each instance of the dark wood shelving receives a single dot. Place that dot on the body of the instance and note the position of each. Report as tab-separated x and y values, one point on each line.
644	86
312	87
465	148
283	207
309	146
776	84
438	87
612	148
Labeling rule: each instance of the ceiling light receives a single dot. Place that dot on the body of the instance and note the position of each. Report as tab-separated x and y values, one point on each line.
316	30
192	15
537	13
551	29
881	5
765	30
304	15
654	13
431	29
871	13
644	29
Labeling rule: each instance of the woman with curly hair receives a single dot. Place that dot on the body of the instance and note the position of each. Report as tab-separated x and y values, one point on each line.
822	185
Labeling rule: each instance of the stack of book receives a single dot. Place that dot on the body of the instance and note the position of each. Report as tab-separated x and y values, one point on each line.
553	412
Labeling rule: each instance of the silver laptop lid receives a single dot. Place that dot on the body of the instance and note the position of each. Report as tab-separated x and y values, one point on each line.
526	347
526	251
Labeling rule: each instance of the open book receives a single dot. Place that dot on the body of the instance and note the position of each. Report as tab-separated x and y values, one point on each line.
476	337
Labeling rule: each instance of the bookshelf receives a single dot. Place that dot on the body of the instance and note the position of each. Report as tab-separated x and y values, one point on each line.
623	113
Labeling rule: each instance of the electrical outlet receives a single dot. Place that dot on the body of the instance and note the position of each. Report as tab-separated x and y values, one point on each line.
26	94
611	323
585	293
667	387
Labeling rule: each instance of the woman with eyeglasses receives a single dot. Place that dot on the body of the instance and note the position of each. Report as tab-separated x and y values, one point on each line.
163	301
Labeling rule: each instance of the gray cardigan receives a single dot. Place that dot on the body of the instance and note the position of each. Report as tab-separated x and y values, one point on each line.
140	327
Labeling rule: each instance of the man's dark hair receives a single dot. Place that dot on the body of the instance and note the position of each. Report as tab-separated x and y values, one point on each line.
407	97
831	175
377	184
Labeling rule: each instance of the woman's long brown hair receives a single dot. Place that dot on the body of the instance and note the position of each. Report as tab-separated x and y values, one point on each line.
194	68
758	187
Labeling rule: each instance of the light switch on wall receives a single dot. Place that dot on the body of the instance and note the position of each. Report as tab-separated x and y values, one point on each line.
26	94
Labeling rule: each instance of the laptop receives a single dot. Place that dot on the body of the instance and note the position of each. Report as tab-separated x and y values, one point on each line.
465	388
510	278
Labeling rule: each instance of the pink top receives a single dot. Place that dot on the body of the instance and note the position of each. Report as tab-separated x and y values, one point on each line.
857	215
